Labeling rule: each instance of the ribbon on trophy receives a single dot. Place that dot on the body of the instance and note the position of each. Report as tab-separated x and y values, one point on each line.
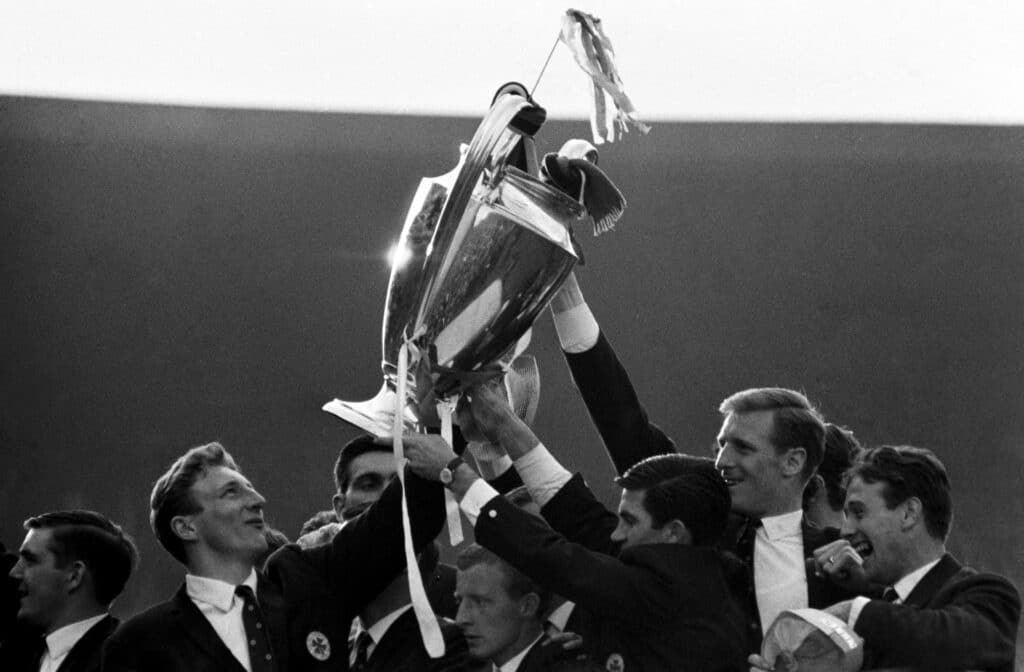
593	52
430	631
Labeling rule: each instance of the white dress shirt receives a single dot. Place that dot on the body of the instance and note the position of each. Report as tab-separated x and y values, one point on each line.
903	588
223	609
560	616
60	642
515	661
376	631
577	329
541	473
780	575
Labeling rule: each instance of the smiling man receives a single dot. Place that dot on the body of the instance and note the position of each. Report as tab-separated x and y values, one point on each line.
936	612
770	444
295	615
70	568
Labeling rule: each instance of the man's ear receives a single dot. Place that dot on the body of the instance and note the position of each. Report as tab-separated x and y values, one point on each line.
182	526
529	605
676	532
339	505
912	513
793	461
76	575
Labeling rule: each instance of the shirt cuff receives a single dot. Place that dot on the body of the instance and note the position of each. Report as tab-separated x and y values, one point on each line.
577	329
855	609
542	474
476	498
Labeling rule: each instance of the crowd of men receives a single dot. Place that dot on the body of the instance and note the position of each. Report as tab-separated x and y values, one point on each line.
701	557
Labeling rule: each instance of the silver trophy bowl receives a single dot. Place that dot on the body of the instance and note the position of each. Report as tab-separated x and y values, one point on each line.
483	250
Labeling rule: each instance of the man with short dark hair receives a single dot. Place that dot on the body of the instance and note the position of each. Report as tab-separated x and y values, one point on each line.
71	567
936	613
501	613
652	575
825	492
295	615
769	446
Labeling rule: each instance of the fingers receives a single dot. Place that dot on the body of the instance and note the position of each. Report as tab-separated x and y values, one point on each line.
758	664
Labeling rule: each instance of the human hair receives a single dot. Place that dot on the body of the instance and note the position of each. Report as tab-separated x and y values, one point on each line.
318	520
94	540
906	472
841	450
362	444
517	584
682	487
172	494
796	423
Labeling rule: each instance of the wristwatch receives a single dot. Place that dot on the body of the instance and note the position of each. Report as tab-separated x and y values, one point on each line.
448	473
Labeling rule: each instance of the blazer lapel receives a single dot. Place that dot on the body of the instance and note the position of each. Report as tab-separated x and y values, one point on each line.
199	630
933	581
88	646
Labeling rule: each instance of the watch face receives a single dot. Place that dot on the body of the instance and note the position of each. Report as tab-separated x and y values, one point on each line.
446	476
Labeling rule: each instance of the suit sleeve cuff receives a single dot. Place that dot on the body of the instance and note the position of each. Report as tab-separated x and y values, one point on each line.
577	329
543	475
476	499
855	608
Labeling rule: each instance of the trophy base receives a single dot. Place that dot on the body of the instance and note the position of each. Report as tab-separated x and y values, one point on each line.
375	416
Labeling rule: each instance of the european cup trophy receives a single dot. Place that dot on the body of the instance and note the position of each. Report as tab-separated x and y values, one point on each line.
483	250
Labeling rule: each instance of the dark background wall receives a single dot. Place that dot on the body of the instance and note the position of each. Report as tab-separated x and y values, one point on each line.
172	276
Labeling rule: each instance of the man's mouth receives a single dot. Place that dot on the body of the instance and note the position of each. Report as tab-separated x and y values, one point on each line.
863	547
257	523
730	481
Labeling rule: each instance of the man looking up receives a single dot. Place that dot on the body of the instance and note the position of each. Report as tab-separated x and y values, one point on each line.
936	613
825	493
71	567
295	615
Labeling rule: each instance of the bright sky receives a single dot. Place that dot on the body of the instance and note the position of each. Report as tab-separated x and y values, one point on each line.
893	60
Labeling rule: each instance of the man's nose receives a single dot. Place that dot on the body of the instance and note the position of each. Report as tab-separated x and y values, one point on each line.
256	500
848	527
16	571
618	534
724	458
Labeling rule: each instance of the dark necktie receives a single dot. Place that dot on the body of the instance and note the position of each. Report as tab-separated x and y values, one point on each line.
890	594
745	551
362	645
261	658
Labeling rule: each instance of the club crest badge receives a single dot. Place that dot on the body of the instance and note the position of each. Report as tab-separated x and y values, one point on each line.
615	663
318	645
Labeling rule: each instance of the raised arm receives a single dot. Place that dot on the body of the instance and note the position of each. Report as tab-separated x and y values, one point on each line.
603	383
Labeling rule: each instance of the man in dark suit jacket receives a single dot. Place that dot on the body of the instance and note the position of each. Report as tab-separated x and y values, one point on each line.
771	442
295	615
663	599
937	614
501	616
71	566
387	634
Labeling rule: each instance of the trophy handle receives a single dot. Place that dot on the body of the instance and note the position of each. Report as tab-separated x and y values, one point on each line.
480	155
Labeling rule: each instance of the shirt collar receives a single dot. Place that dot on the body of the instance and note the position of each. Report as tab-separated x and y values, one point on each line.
216	593
560	616
380	628
782	525
513	663
905	586
60	641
